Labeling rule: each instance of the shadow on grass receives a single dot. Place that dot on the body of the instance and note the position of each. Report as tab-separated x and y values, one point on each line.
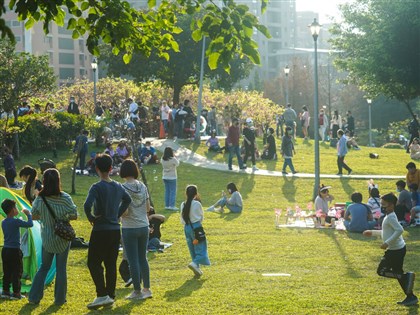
412	310
351	271
186	289
29	309
346	186
230	216
289	188
270	165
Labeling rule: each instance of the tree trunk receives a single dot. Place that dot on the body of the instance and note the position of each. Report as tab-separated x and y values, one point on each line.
73	174
16	147
407	103
177	93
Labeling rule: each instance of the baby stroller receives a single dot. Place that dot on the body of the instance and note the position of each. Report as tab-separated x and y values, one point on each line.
45	163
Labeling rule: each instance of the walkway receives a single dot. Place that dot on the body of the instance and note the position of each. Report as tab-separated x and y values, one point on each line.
187	156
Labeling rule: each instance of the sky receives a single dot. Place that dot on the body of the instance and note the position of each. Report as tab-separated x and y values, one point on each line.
323	7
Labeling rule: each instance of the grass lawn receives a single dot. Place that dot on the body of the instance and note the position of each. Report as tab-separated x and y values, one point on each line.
332	272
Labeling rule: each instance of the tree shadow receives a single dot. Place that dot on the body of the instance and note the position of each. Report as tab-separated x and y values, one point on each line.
345	183
289	188
230	216
270	165
351	271
185	290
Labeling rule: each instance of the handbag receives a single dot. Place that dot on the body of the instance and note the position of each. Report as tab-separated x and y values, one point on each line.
199	233
62	228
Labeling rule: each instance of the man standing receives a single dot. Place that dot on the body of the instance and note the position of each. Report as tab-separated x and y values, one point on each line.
350	123
212	120
341	153
232	141
249	137
323	123
290	117
73	107
133	110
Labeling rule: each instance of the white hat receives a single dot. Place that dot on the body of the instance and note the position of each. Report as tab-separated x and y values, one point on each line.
248	121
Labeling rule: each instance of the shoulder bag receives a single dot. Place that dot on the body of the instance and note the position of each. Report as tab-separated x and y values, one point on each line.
62	228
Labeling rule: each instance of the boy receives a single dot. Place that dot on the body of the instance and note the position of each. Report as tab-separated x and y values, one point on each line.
11	254
391	265
110	201
341	153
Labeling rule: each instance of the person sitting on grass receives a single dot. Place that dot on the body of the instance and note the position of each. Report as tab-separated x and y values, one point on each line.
323	200
148	154
374	203
413	174
415	149
391	265
358	216
415	199
234	203
213	143
11	253
155	221
351	141
122	151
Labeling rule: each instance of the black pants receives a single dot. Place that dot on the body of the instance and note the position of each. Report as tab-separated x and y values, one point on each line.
341	165
82	160
103	248
12	269
391	266
249	151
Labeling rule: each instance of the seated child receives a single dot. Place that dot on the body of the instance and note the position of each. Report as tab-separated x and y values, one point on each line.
415	149
374	203
11	253
213	143
155	221
234	203
148	154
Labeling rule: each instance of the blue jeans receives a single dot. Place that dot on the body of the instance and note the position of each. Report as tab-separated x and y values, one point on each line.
198	252
165	125
170	192
60	288
371	225
288	162
234	149
222	202
135	244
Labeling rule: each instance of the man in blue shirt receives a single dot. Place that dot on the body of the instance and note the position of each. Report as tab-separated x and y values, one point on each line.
148	154
358	216
341	153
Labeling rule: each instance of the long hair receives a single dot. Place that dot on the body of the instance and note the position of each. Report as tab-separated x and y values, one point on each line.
286	131
168	154
232	187
51	183
191	192
31	173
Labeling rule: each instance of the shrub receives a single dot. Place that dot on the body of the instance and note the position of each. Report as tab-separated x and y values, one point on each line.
393	145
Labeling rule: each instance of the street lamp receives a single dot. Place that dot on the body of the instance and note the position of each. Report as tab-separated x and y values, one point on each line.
369	101
286	72
197	136
94	65
315	28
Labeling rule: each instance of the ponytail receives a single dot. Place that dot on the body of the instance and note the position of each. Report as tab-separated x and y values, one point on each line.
191	192
31	173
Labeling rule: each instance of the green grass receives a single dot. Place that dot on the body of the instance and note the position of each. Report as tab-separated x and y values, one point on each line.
331	272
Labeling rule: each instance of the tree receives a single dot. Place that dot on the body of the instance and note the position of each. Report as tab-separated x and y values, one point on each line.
381	47
22	76
181	69
115	22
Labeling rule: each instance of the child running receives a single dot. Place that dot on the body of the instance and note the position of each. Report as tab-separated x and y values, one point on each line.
109	200
391	265
11	254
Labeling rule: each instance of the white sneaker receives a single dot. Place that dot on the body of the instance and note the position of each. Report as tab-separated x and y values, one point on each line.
146	294
254	168
210	208
219	210
128	283
100	301
197	271
135	295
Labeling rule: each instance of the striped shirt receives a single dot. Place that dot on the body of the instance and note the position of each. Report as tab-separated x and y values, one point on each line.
64	209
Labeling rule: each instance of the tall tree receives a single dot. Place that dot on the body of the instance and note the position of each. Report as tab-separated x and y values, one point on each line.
229	26
182	68
381	47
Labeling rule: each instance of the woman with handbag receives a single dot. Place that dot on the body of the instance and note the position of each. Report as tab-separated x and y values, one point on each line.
50	207
135	230
191	217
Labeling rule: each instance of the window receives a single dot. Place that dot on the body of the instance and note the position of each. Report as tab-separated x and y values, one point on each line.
62	30
15	24
81	45
82	72
18	39
48	41
66	43
66	73
51	57
66	59
82	60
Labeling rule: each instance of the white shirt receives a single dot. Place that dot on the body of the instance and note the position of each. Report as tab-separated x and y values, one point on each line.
133	107
165	112
196	212
391	232
169	168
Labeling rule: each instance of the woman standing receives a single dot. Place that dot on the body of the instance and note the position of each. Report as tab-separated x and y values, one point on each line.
53	246
135	230
287	150
192	217
33	185
304	118
169	176
336	123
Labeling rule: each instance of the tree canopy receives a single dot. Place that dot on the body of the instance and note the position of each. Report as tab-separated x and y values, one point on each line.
381	47
182	67
229	27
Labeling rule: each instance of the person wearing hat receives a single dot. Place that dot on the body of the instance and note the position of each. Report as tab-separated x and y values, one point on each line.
323	200
249	142
415	149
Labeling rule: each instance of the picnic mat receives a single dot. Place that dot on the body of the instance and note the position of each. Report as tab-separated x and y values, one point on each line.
308	223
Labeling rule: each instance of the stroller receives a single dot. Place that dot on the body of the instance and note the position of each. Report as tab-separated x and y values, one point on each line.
45	164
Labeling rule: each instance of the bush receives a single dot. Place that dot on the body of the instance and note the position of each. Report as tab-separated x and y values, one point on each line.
393	145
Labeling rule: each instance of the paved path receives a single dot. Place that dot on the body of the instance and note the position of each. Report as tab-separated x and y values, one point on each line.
187	156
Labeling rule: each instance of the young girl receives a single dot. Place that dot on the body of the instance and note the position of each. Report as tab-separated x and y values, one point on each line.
374	203
135	230
287	150
169	176
213	143
191	217
33	185
234	203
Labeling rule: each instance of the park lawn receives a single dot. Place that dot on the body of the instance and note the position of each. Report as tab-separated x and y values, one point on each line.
391	161
331	272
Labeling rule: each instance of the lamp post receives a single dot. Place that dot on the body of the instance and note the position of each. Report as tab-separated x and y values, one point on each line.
94	65
286	72
197	136
369	101
315	28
